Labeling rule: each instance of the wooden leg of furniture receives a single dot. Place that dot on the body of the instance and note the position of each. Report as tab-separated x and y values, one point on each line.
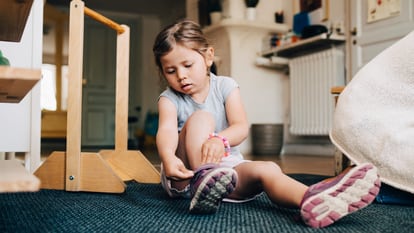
131	165
95	174
52	171
341	161
128	164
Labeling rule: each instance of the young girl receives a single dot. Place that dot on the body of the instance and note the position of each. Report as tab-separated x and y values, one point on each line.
201	123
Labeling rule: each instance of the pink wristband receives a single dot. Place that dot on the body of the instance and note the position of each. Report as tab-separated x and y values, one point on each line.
226	143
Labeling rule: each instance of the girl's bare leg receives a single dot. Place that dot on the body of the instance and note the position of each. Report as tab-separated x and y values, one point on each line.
258	176
194	133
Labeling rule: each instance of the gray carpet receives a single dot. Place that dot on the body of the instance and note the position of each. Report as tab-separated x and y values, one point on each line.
146	208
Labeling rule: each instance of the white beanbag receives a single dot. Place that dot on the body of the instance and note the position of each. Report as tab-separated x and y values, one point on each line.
374	117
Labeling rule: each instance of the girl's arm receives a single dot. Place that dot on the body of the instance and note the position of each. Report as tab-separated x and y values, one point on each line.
167	141
238	129
212	149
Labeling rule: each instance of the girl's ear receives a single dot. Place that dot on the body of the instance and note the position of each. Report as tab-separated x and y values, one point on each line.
210	56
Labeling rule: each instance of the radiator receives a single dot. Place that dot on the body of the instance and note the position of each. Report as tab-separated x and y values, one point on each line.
311	79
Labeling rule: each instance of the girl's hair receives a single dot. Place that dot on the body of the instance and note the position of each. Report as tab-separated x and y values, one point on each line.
185	33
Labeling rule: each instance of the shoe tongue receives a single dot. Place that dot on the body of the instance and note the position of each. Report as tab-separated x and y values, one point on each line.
200	170
198	174
205	167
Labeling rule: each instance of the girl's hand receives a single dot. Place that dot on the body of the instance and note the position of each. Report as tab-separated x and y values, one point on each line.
212	151
175	169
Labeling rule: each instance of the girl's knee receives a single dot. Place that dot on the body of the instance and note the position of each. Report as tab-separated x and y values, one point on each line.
270	166
202	116
262	169
267	171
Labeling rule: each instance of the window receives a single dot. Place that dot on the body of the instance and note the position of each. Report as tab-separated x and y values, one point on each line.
49	91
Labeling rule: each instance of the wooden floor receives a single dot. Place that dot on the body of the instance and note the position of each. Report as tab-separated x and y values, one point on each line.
292	163
309	164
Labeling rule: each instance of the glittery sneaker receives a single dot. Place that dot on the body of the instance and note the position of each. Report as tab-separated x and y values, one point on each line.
210	184
328	201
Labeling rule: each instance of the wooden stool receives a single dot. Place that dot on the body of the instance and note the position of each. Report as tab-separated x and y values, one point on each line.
105	171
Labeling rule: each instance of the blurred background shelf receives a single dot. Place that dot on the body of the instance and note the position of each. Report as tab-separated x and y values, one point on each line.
273	62
305	46
246	24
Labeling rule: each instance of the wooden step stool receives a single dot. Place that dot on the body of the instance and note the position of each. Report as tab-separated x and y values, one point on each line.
105	171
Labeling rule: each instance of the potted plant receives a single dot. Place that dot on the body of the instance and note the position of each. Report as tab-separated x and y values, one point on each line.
251	3
3	60
251	9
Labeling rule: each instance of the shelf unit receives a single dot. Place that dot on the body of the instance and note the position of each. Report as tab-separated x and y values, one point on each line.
15	84
273	62
306	46
228	23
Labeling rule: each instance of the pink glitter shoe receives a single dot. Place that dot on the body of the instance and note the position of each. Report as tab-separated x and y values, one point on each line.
328	201
210	184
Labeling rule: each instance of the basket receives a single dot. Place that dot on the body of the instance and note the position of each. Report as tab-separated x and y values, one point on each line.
267	139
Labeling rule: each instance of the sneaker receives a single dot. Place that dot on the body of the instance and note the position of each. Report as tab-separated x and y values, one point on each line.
328	201
210	184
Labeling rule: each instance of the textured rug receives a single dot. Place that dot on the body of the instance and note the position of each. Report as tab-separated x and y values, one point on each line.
146	208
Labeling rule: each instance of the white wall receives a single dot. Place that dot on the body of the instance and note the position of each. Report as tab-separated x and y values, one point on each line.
149	75
265	92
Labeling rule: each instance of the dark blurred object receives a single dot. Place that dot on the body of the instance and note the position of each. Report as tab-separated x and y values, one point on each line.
132	143
313	30
203	14
279	18
273	41
205	7
251	3
300	21
214	6
213	68
310	5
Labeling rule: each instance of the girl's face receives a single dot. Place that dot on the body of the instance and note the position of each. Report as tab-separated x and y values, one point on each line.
186	70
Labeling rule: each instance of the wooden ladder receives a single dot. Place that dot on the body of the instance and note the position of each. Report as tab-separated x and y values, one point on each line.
106	170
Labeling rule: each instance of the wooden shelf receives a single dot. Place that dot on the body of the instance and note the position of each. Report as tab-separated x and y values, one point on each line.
306	46
13	16
277	63
15	83
271	27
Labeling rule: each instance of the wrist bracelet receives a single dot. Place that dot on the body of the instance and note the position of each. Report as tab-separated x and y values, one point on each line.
226	143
